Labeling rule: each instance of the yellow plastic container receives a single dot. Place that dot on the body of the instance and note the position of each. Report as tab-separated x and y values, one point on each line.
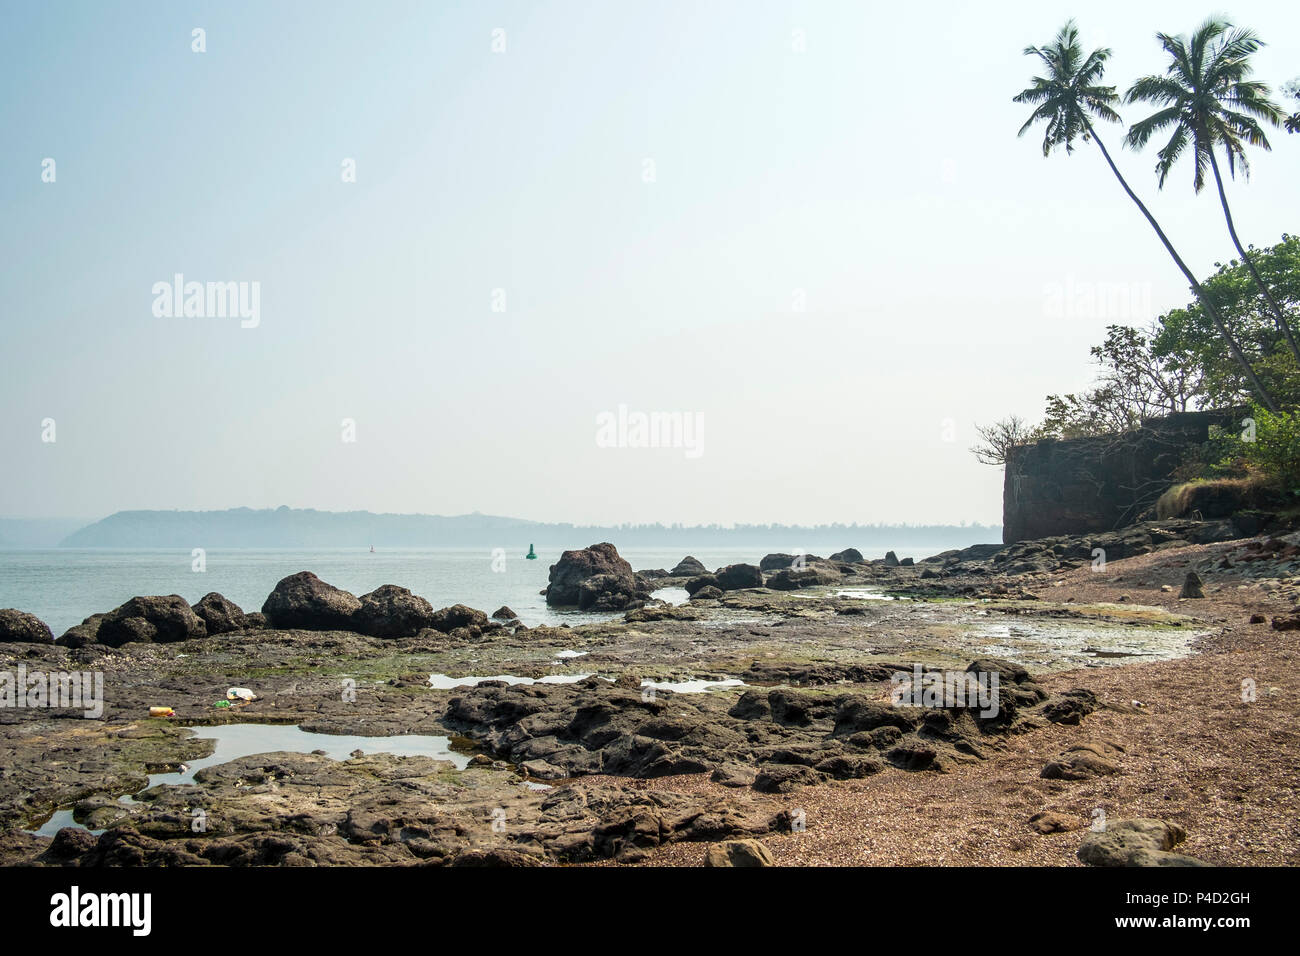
161	712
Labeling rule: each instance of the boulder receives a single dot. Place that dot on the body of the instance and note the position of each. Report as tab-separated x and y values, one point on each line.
448	619
1084	761
220	614
779	561
157	619
707	593
791	580
23	628
574	567
1192	587
688	567
392	611
735	577
703	581
79	635
611	592
503	613
1138	842
849	556
891	559
304	601
739	853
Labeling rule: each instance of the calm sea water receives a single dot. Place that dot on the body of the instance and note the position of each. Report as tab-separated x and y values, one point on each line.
64	586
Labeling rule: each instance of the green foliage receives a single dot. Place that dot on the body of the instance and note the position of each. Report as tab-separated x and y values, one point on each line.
1206	100
1070	91
1187	335
1275	450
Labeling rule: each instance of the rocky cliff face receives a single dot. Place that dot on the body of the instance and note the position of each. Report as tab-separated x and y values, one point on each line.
1085	485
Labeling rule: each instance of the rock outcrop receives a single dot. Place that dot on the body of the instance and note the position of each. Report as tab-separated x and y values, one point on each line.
392	611
79	635
304	601
220	614
616	587
1084	485
157	619
1138	842
23	628
735	577
688	567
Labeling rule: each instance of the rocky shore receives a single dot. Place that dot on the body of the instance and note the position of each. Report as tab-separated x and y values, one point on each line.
764	708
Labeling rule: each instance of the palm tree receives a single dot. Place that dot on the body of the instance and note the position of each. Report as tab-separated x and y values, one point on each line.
1066	99
1207	100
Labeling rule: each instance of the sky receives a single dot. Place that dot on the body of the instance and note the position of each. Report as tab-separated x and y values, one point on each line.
805	231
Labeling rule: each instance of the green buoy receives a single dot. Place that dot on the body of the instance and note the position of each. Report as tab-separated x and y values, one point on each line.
531	555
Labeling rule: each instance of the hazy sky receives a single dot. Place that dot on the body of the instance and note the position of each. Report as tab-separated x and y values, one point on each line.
874	180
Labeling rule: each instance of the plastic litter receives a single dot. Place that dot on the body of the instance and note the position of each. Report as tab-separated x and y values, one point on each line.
161	712
221	703
240	693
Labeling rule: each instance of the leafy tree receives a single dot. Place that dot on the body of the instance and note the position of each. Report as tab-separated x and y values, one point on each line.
1066	100
1207	101
1186	336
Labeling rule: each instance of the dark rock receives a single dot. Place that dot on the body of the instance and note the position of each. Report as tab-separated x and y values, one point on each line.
574	567
1192	586
1086	485
703	581
159	619
220	614
503	613
304	601
906	563
688	567
707	593
1071	707
80	635
891	559
812	576
23	628
495	857
611	592
783	778
735	577
392	611
449	619
849	556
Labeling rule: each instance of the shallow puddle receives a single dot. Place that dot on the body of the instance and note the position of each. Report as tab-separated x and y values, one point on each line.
244	740
443	682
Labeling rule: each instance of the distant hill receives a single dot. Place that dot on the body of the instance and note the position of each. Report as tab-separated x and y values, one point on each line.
286	527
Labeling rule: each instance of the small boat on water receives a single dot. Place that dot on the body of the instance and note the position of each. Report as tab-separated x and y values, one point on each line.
372	549
531	555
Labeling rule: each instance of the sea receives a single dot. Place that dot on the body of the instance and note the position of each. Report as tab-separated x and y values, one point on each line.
63	586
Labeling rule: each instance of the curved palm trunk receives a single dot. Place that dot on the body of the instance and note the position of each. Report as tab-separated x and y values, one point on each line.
1255	385
1278	317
